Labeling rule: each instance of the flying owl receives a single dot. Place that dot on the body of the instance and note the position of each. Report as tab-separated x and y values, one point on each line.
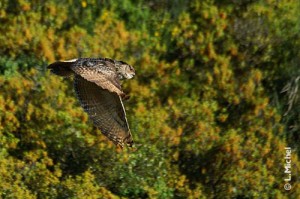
97	86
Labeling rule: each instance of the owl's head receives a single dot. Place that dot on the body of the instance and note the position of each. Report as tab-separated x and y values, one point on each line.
124	70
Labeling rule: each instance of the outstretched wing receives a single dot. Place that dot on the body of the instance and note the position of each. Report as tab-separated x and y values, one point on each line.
100	72
105	109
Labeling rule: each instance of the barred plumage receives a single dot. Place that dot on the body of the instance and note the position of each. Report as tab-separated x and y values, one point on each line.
98	89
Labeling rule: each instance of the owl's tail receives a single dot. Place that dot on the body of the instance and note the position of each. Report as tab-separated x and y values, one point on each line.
61	68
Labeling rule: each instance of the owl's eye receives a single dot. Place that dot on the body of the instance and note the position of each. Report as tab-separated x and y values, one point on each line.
128	67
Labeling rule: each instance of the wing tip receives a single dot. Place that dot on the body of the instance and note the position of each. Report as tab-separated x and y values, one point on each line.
62	68
120	144
128	140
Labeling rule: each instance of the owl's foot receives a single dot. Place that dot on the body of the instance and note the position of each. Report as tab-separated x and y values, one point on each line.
125	97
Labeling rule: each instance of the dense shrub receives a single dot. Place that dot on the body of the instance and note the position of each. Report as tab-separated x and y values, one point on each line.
212	108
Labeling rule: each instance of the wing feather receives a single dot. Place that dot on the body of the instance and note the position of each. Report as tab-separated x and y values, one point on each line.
98	71
105	109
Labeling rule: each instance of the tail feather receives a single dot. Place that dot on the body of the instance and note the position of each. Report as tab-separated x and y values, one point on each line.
61	68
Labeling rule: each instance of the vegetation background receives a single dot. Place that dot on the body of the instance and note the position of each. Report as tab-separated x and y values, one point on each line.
213	105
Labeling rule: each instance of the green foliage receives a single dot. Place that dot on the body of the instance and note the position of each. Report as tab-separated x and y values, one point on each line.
214	103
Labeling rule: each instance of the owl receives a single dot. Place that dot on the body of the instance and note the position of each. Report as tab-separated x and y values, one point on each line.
98	89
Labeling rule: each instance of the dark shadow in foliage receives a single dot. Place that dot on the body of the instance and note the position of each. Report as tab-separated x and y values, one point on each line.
202	168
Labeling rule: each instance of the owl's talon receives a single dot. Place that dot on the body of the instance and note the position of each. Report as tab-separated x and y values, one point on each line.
125	97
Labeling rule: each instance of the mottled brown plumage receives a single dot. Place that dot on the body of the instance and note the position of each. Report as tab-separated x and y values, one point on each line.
99	91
